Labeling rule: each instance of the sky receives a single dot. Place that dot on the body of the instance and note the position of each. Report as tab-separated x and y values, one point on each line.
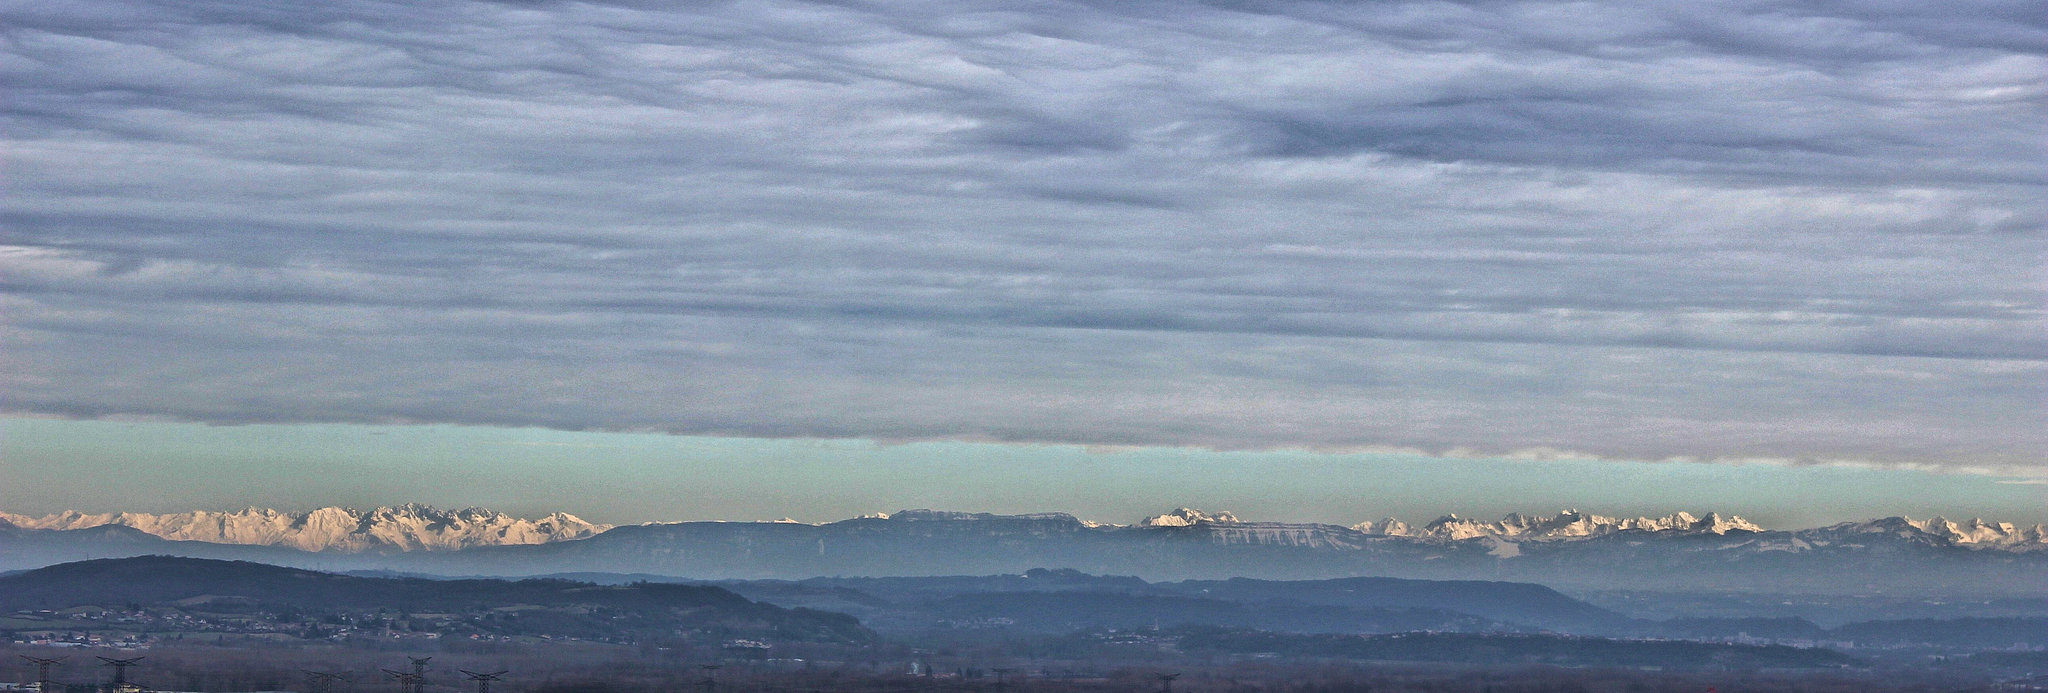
1216	240
622	478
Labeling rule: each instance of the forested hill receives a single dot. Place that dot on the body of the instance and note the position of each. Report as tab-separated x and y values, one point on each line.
522	607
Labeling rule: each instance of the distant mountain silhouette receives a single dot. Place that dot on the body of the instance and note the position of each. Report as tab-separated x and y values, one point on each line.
927	544
570	607
1062	600
1513	602
1680	552
1499	648
410	527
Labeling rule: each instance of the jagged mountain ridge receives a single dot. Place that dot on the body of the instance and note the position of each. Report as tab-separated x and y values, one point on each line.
1703	555
1570	525
414	527
1898	556
1972	533
408	527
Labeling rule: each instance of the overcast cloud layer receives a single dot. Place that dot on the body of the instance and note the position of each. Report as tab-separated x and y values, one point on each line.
1695	229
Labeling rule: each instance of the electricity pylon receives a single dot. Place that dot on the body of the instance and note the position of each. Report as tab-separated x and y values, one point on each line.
120	670
43	671
408	682
321	681
483	681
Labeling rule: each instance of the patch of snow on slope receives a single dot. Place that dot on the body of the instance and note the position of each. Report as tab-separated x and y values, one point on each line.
1569	524
1187	517
404	528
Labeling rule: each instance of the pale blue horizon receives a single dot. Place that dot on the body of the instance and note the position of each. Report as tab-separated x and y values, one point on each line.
50	465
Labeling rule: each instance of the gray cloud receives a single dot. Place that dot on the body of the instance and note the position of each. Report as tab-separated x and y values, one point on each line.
1703	230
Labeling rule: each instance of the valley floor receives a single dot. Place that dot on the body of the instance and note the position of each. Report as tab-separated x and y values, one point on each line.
592	668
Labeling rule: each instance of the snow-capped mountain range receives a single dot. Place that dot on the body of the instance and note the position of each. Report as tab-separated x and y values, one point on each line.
1572	525
1569	524
422	528
1973	533
1935	557
401	528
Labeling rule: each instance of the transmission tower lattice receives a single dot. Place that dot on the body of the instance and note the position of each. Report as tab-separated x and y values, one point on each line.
120	670
43	671
408	682
483	681
321	681
419	673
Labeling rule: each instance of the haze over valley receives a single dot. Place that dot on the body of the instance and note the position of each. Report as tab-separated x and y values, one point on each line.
1972	559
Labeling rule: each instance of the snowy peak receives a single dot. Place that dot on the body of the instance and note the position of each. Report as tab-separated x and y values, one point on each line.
1714	523
1974	533
423	528
1569	524
1977	532
1225	528
1387	527
403	528
1187	517
923	515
